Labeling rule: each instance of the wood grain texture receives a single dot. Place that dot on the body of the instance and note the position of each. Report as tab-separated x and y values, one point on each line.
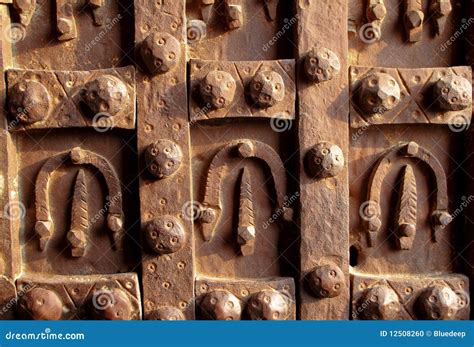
168	280
407	209
10	227
323	116
78	233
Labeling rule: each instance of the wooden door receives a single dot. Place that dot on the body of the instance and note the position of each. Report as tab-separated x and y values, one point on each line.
235	159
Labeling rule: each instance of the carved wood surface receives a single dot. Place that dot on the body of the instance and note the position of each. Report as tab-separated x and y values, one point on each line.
237	151
242	105
81	297
418	104
469	220
13	210
218	168
246	290
405	297
66	102
77	235
162	114
372	210
323	26
407	209
246	232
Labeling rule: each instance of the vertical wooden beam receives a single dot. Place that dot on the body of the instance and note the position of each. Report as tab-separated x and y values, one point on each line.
168	279
468	252
11	210
323	117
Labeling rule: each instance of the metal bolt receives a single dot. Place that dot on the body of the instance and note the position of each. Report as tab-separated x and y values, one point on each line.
163	158
65	26
208	215
246	149
379	302
160	52
321	65
414	19
268	305
40	304
267	88
407	230
326	281
165	235
29	101
218	89
234	16
442	218
376	12
324	160
220	305
412	148
437	302
453	93
378	93
167	313
105	94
